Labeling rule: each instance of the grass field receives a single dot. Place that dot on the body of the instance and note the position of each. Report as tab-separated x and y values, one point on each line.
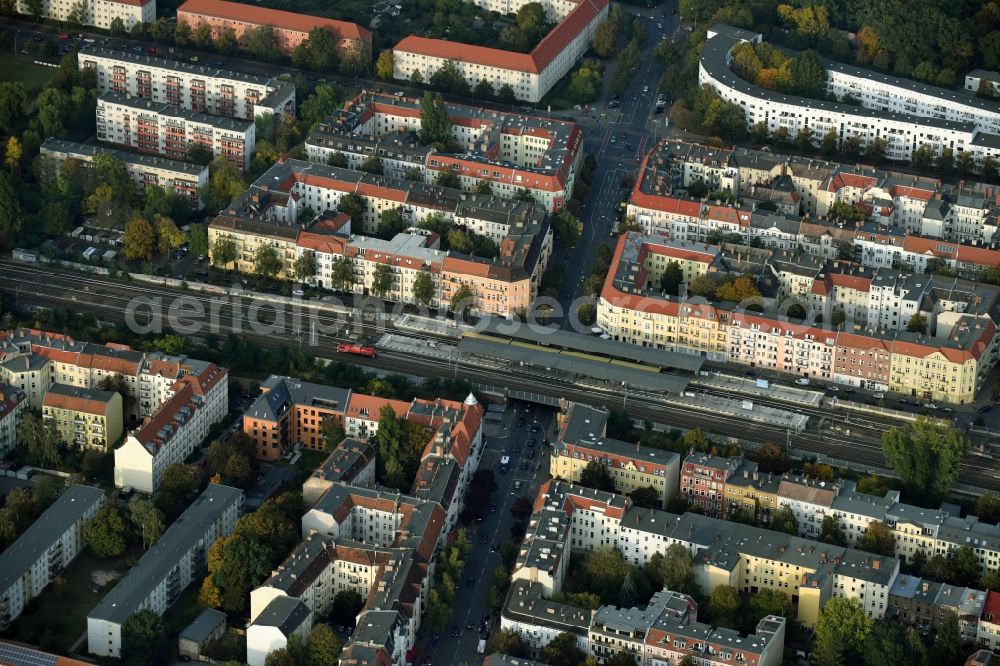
34	77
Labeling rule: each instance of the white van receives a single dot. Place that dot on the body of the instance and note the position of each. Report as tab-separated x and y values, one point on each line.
802	381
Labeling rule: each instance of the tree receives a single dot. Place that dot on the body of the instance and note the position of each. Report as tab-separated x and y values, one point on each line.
10	207
462	300
346	606
766	602
988	507
325	100
964	566
143	637
562	650
772	458
12	156
508	642
342	274
323	646
926	455
878	538
168	236
831	532
922	158
435	125
740	289
266	262
305	266
423	287
198	240
106	533
382	280
885	645
948	641
438	610
843	627
13	100
596	475
318	52
224	251
262	43
337	159
483	89
723	606
672	569
784	521
448	178
384	65
353	205
147	519
179	479
42	441
672	278
391	223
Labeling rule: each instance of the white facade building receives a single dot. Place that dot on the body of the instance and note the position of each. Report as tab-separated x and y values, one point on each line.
169	566
97	13
164	129
188	86
902	132
13	402
45	549
183	178
169	435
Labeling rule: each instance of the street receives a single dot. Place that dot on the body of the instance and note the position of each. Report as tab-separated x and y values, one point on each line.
471	604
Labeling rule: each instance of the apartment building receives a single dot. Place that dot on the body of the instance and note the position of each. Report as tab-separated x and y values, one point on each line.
288	28
179	424
703	481
752	493
529	75
45	549
165	129
378	543
188	86
669	641
84	418
182	178
904	114
583	440
513	152
169	566
948	363
97	13
13	402
988	630
275	211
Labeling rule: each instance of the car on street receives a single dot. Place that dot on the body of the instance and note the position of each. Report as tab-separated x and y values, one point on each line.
645	89
930	405
614	104
524	465
515	449
218	63
613	139
496	546
455	632
519	424
493	508
531	442
470	627
832	389
879	396
946	410
984	409
660	26
484	540
470	582
531	453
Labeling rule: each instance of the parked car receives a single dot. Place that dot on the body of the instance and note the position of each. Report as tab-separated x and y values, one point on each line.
984	409
879	396
802	381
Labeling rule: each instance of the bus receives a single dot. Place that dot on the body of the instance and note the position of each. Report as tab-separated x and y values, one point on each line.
504	461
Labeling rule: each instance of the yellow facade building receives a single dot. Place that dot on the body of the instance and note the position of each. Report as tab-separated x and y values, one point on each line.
86	418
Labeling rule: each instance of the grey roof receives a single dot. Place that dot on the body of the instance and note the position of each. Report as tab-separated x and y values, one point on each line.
278	394
574	365
20	556
584	426
88	151
497	659
203	626
554	337
285	613
526	603
192	525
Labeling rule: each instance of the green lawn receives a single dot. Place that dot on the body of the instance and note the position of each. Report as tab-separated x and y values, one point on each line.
34	77
58	617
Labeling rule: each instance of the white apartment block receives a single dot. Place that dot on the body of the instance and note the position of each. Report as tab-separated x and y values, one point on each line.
164	129
183	178
530	75
178	425
13	402
170	565
45	549
188	86
902	132
96	13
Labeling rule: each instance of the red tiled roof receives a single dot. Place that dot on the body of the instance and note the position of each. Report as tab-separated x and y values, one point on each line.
237	11
534	63
84	402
